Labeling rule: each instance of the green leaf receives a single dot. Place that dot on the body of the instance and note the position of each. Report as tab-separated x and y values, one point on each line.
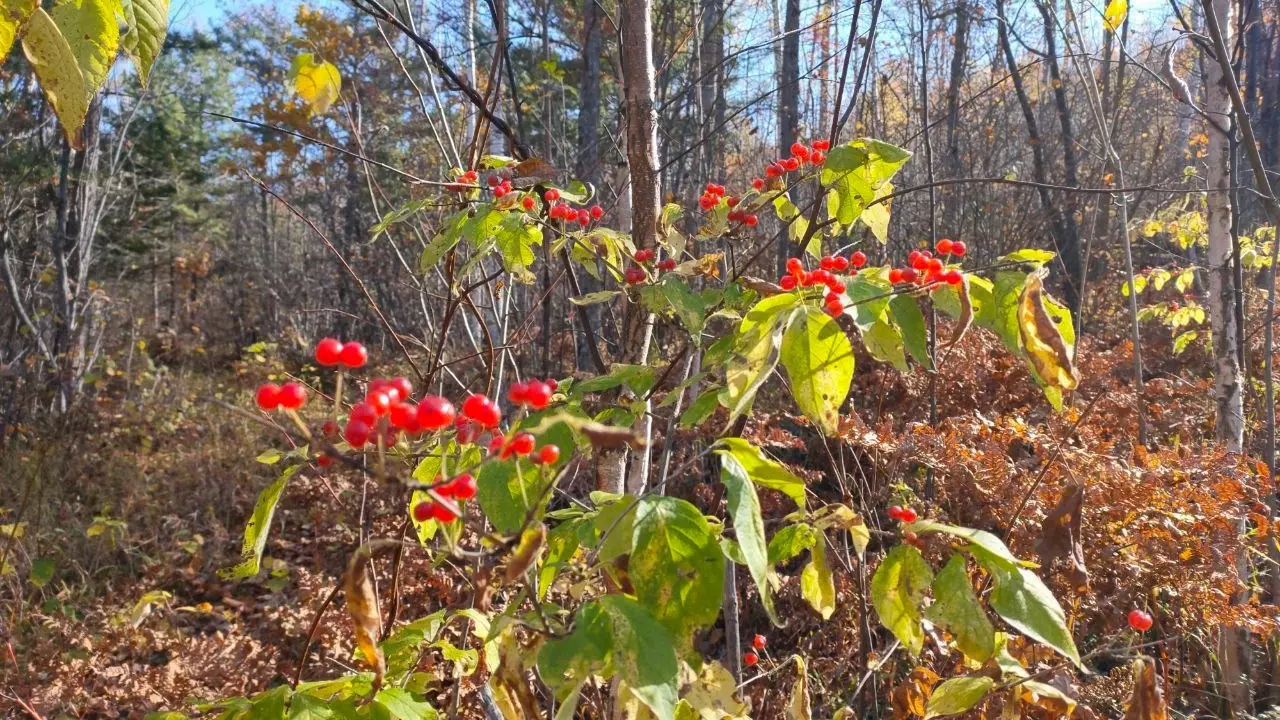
269	705
701	408
402	648
764	471
958	695
869	294
671	295
565	663
1029	256
956	608
316	81
148	22
1023	601
819	361
595	298
897	589
643	654
1183	340
991	546
1006	293
755	351
909	319
816	584
562	544
506	490
257	529
515	240
93	34
748	525
13	13
54	63
876	216
638	378
615	525
42	570
884	343
676	566
790	541
441	244
402	705
270	456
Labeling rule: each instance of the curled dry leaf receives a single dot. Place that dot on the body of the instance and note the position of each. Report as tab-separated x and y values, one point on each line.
763	288
362	606
1147	701
1043	341
532	542
1060	537
966	317
604	437
799	707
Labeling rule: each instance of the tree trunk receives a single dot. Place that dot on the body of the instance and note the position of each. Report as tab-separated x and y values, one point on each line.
636	17
1227	380
587	165
789	100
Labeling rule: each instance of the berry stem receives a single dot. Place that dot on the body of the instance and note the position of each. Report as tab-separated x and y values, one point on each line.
337	395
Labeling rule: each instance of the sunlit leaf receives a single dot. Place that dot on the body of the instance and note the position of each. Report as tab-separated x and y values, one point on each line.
315	81
819	361
676	566
257	529
956	608
12	14
748	525
148	22
816	583
1114	15
897	591
54	63
958	695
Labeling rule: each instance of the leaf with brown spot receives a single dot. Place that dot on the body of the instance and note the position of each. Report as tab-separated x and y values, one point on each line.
1060	537
532	543
1147	701
1047	350
362	606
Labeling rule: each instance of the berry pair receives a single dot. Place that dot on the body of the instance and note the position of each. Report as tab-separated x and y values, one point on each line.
501	187
462	487
331	352
464	182
903	514
535	394
797	276
289	396
711	196
1140	621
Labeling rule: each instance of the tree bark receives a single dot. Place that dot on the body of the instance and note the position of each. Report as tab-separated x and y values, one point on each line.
587	165
789	99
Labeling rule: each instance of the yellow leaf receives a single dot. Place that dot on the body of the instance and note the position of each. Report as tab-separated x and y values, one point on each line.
1113	17
148	22
93	35
799	706
316	82
60	78
1046	349
362	606
12	14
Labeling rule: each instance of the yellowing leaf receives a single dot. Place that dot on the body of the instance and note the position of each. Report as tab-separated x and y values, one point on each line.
800	707
318	83
1113	17
12	14
362	606
816	583
93	34
54	64
148	22
1046	348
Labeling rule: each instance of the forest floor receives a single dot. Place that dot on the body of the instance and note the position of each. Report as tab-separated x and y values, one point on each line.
144	497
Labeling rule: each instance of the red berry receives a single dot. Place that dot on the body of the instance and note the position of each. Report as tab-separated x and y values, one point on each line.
357	433
442	514
751	658
522	444
597	212
791	164
364	412
794	265
953	277
895	512
908	515
517	393
667	265
840	264
1139	620
551	195
551	383
402	386
463	486
468	432
858	259
404	416
330	429
481	410
496	445
354	355
935	265
644	255
807	279
958	248
323	460
799	150
329	352
817	158
706	202
895	276
379	400
711	189
584	219
920	263
494	181
548	454
827	263
423	511
528	202
909	275
268	397
772	171
634	275
944	246
821	144
759	641
758	184
500	191
787	282
292	396
837	287
752	220
435	413
538	394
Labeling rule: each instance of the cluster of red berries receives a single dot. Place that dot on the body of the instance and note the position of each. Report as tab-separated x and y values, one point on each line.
289	396
331	352
797	276
1140	621
903	514
501	186
924	268
535	394
386	411
462	487
566	212
800	154
758	643
464	182
635	274
523	444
